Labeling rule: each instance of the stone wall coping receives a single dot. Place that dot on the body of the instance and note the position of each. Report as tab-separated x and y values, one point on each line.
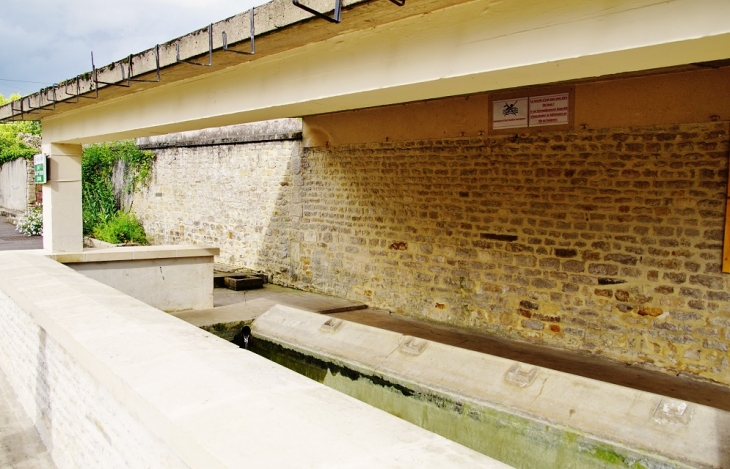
132	253
213	404
266	131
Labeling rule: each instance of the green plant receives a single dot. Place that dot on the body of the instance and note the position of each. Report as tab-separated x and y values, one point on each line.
139	165
32	223
122	228
97	165
98	204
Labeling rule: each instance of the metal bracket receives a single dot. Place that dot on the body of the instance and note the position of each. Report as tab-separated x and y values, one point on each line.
31	109
96	75
157	63
55	96
78	91
44	93
12	109
65	90
335	18
210	50
253	44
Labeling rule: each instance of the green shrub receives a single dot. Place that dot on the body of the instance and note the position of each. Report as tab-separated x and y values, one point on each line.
123	227
98	204
97	165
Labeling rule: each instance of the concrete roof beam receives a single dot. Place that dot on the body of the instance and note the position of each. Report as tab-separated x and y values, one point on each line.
383	54
271	19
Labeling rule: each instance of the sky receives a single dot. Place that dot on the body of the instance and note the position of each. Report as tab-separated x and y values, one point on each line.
48	41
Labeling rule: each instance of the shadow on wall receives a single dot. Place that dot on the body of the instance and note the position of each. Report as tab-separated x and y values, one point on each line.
234	196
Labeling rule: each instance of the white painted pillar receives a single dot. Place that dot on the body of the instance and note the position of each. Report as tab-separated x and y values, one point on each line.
62	222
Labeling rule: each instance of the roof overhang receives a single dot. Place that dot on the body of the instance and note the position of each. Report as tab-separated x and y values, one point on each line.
380	54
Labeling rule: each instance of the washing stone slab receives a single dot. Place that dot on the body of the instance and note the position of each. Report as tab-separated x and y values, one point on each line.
553	407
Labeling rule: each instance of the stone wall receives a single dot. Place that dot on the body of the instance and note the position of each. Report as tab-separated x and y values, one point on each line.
606	241
229	187
17	188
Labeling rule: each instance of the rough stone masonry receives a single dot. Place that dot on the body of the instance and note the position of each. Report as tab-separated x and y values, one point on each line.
607	241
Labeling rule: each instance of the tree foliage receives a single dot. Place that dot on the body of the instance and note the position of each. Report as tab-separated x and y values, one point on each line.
18	139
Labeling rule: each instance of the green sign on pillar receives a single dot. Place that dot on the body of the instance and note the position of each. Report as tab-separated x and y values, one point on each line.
40	166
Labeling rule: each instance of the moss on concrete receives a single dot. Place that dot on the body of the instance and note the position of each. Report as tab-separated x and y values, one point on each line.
514	439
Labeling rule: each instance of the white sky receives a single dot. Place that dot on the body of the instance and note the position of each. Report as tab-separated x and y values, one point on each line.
48	41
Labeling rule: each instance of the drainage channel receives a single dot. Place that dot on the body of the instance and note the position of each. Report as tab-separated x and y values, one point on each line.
524	416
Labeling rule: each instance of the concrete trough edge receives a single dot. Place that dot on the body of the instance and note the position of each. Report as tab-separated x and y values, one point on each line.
687	434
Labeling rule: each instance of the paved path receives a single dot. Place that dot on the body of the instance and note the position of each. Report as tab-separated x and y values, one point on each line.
11	240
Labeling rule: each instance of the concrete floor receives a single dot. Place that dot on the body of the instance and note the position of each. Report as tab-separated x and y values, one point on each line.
234	306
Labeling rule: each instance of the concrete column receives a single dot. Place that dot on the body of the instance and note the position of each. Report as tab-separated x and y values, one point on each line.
62	222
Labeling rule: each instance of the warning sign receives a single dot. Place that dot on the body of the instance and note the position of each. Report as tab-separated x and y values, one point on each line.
531	111
509	113
549	110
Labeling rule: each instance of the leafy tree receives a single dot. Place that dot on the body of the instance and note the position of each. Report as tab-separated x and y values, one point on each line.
12	97
18	139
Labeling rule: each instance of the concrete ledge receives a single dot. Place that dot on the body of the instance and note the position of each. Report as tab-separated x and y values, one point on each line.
107	378
171	278
135	253
562	409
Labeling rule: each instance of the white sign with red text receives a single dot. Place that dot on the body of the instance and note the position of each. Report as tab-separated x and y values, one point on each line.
532	111
549	110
